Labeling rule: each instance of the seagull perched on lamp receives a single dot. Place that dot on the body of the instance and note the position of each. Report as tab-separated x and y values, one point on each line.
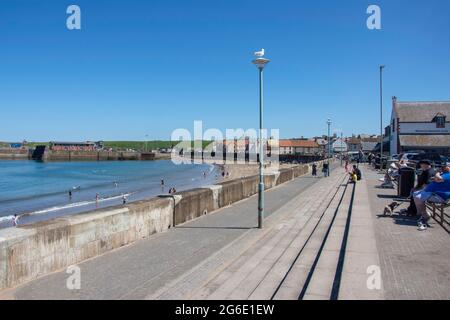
260	61
260	54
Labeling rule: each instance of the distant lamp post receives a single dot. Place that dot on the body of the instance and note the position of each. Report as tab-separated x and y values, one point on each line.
381	116
329	147
146	143
342	147
260	63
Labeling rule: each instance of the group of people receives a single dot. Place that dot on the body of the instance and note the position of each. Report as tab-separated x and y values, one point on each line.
432	186
325	169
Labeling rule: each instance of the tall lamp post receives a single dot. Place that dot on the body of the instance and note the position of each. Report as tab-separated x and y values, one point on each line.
342	146
381	116
260	63
329	147
146	143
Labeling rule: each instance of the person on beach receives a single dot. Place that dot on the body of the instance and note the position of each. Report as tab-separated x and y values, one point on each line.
15	220
124	199
314	170
70	194
97	197
162	182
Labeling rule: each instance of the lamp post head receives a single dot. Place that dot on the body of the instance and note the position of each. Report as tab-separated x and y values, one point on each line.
260	61
382	67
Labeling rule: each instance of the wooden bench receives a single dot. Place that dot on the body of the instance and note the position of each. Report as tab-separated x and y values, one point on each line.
439	213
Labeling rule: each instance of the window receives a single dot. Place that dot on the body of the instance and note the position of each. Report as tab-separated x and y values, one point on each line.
440	122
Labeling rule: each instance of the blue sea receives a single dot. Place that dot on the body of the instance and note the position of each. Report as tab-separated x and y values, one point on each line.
40	190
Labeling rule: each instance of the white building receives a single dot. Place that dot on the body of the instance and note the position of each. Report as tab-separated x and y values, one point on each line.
420	126
339	145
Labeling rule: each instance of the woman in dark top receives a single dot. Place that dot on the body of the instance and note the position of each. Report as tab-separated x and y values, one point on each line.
425	178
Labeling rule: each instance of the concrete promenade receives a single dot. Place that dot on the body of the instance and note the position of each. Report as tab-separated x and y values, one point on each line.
322	239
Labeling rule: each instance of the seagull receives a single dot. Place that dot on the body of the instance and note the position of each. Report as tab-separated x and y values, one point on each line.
259	54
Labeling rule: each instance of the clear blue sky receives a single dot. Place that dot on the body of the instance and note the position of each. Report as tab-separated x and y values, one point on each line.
148	67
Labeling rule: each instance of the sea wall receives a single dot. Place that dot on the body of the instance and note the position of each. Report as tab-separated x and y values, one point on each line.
64	155
14	154
29	251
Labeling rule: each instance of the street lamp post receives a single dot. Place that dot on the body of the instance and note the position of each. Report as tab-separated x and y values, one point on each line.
146	143
342	146
381	116
260	63
329	147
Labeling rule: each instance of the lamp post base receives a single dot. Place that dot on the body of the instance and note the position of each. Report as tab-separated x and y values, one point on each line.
260	205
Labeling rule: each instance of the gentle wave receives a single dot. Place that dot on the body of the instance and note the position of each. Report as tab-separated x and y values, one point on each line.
6	218
75	205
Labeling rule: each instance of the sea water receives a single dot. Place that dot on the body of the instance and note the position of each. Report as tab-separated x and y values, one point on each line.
40	190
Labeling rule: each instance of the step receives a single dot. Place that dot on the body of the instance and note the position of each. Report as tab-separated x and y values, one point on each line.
243	279
321	284
296	279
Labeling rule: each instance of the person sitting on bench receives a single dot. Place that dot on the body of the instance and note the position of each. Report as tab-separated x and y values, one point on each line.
424	179
438	192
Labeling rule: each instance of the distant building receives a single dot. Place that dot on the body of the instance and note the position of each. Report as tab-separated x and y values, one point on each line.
306	147
72	146
420	126
339	145
354	144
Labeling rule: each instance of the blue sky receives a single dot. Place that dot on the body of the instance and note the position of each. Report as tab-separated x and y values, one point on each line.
150	67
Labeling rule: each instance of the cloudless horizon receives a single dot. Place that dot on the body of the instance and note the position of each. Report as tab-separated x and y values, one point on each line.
141	68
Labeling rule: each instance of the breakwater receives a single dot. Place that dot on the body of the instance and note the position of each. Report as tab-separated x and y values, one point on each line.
15	154
30	251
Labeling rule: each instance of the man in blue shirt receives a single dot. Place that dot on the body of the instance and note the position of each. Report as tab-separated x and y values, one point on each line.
438	191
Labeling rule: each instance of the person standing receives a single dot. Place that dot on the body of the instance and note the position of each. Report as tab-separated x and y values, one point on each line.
15	220
326	170
314	170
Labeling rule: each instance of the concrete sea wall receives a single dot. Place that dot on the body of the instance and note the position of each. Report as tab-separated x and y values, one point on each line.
14	154
30	251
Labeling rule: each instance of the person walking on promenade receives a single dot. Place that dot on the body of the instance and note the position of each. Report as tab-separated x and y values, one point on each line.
326	170
314	170
346	166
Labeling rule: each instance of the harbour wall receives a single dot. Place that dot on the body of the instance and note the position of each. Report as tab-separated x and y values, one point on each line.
33	250
14	154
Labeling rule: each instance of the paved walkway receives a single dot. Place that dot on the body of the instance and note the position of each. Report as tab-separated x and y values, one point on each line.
135	271
414	264
322	239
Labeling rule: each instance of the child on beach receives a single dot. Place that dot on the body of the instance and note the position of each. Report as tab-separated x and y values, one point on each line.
15	220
